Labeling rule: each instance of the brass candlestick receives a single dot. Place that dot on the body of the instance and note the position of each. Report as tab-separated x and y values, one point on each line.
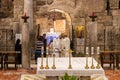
47	67
98	65
86	67
70	66
92	67
41	67
53	67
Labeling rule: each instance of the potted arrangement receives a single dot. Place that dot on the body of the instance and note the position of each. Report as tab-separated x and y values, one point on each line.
67	77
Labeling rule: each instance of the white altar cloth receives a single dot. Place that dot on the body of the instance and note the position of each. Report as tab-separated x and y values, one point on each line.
62	63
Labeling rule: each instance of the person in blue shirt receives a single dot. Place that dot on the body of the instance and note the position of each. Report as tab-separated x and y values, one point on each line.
44	44
38	48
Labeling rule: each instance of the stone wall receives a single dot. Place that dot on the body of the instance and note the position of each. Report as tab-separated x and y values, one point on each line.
79	11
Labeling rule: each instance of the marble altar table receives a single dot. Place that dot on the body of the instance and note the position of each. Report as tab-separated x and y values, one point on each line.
62	63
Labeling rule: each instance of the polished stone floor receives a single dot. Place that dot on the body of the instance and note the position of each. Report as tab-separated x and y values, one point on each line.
16	74
12	74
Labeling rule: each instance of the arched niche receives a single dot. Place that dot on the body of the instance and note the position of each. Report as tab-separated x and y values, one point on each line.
47	21
68	21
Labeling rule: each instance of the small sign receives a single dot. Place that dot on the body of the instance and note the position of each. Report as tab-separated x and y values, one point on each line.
18	36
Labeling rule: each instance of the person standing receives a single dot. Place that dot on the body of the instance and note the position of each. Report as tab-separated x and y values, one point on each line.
18	48
45	44
38	48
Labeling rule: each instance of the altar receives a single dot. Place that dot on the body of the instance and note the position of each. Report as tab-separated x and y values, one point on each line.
62	64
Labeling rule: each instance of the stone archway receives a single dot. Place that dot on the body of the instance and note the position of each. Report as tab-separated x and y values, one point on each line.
46	22
68	21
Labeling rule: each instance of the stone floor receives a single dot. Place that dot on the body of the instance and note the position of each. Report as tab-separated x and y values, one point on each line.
16	74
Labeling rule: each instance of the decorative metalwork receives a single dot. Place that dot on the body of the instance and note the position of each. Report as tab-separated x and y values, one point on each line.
93	17
25	18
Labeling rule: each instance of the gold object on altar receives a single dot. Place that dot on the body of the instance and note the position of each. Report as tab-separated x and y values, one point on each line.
41	67
53	67
47	67
98	65
92	66
70	51
86	67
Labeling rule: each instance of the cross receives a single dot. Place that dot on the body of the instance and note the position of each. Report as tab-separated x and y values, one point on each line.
25	18
93	17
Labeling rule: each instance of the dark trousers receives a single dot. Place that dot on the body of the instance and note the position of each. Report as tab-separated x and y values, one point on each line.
37	54
19	57
44	53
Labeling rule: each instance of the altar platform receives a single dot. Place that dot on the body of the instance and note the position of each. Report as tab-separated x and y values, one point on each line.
62	64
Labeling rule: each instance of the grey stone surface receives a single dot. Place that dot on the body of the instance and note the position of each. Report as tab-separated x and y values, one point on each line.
25	46
78	10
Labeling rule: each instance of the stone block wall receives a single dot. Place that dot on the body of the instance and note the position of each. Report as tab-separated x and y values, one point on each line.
79	11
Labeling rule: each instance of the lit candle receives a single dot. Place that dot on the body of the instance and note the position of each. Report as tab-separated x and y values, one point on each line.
25	14
98	50
92	50
86	50
92	13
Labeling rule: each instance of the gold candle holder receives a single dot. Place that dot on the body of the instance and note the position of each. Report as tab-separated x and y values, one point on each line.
47	67
98	52
41	67
86	67
53	67
92	66
70	66
98	65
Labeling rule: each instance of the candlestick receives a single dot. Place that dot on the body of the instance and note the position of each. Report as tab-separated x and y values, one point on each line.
93	17
92	66
92	13
86	50
86	67
98	52
25	18
92	50
47	50
41	67
53	67
47	67
25	14
70	66
98	66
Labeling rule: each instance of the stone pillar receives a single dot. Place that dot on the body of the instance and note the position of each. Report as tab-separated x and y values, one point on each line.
93	35
25	46
28	9
16	27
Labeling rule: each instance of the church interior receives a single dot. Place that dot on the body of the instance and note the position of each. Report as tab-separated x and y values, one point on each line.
82	39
